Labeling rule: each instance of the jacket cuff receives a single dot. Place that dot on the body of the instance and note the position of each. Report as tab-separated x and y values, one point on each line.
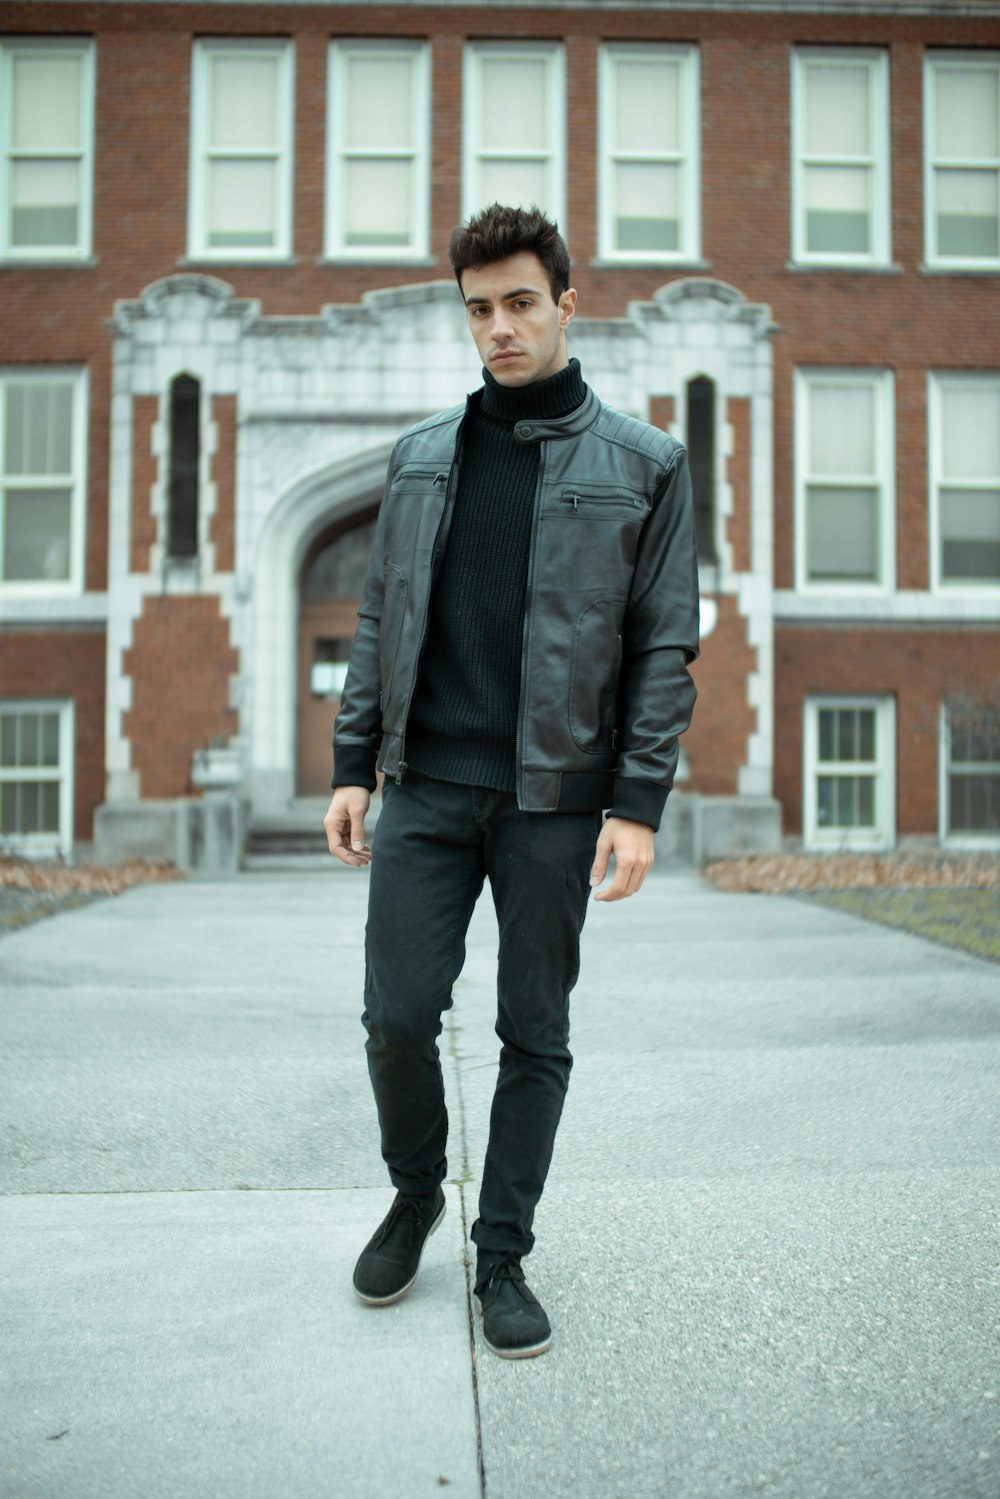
354	765
638	801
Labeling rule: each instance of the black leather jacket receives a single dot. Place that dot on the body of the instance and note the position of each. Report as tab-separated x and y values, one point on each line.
611	612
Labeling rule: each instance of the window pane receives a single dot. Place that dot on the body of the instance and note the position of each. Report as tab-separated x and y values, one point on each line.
867	737
968	222
512	105
847	734
44	207
970	432
837	110
647	207
46	112
379	103
865	803
827	725
974	803
837	209
842	539
243	102
377	203
37	535
966	112
647	106
519	183
241	203
48	807
8	808
8	740
841	429
39	428
970	533
826	801
48	747
28	737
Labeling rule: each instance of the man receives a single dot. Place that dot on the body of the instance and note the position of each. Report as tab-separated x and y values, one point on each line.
521	663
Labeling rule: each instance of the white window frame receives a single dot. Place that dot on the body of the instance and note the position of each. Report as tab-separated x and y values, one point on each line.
198	247
418	152
883	834
965	838
877	161
554	55
933	61
46	375
881	381
689	158
46	843
10	48
936	381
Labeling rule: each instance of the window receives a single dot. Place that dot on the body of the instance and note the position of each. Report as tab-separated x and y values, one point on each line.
701	459
962	131
649	192
36	783
378	151
241	151
514	129
971	760
965	479
849	772
844	479
840	157
185	456
46	137
41	481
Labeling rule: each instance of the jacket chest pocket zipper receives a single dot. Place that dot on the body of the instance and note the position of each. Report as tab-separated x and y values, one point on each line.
601	501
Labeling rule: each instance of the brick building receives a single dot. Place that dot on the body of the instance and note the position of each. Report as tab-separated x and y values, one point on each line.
222	234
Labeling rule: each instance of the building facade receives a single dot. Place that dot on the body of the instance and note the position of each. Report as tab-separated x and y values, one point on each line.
225	291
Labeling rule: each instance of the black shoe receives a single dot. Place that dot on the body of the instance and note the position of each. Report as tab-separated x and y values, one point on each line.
390	1260
514	1325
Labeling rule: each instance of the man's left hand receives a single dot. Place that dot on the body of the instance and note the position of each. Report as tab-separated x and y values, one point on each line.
631	843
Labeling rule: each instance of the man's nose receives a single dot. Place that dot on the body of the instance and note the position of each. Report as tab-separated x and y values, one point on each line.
503	327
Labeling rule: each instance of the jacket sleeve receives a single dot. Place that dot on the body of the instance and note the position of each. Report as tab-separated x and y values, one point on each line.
659	641
357	732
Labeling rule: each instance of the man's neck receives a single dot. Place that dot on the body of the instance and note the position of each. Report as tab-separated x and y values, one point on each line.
555	396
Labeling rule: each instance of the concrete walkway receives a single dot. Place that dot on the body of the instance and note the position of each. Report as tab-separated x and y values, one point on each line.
768	1246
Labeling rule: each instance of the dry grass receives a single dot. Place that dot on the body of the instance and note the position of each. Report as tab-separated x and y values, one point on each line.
777	874
58	881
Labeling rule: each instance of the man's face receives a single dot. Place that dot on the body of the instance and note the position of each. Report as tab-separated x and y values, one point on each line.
520	331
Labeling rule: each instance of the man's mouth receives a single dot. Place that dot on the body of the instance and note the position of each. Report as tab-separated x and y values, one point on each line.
502	355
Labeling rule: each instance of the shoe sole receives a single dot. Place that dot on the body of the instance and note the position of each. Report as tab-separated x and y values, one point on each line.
531	1350
397	1295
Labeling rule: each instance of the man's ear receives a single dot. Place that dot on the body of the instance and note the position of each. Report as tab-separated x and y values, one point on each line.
567	307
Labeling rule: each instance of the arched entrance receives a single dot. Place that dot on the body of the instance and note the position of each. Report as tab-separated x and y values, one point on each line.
330	582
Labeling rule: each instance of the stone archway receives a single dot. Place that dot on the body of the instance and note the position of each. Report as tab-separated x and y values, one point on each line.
334	495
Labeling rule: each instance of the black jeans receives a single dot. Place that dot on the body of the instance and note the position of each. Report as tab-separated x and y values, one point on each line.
435	844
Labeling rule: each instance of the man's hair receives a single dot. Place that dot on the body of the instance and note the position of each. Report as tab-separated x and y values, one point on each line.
499	232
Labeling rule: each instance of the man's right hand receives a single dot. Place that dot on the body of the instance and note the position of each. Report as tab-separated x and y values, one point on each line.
345	825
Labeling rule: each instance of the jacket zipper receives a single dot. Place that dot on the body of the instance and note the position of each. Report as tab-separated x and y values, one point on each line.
446	478
591	499
529	621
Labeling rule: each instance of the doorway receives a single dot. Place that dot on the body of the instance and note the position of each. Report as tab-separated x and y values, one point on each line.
330	584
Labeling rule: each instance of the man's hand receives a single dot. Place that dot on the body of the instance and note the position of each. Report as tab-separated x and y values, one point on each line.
345	825
631	843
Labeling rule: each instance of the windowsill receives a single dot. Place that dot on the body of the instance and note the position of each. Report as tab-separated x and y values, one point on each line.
363	263
204	263
959	270
65	263
840	268
911	605
648	264
55	609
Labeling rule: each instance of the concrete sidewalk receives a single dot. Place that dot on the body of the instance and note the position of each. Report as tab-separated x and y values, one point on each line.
768	1246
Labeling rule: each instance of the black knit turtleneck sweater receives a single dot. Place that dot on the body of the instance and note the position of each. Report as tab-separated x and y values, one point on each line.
463	720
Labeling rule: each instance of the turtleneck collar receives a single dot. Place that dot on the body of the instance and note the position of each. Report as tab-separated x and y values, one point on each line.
556	396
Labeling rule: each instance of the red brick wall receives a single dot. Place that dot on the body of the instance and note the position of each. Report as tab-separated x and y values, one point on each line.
738	471
145	410
723	719
64	664
180	664
223	529
919	669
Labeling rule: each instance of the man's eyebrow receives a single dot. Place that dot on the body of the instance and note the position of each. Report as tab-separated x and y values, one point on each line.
508	296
